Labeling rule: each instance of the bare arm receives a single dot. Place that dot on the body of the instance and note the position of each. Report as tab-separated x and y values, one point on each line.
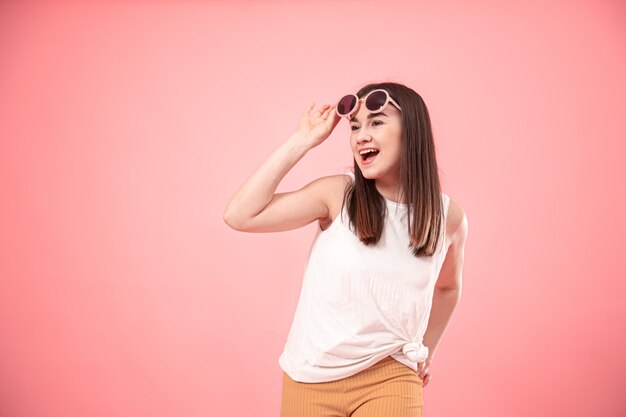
448	286
258	190
256	208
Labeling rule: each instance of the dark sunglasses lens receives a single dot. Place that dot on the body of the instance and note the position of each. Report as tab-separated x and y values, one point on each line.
346	105
376	100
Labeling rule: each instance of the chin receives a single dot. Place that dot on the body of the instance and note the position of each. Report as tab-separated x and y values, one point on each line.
369	174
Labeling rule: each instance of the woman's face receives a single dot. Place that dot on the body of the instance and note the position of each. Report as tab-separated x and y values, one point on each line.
382	131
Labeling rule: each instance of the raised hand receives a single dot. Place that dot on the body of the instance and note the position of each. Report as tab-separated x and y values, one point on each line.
317	127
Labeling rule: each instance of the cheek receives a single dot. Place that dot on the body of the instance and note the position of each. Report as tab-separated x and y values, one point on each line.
393	151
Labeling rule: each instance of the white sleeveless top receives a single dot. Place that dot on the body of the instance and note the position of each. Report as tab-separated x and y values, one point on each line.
360	304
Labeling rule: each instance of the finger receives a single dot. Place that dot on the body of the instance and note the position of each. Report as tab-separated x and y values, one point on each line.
334	117
327	116
321	111
426	380
423	370
309	107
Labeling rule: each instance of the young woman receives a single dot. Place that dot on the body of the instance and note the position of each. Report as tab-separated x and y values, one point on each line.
384	271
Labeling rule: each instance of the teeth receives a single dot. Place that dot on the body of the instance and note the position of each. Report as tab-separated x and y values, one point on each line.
367	151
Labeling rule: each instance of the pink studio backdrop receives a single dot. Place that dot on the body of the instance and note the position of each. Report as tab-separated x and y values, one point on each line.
127	126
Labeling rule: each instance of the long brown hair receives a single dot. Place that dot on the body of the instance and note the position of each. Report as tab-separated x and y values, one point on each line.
419	179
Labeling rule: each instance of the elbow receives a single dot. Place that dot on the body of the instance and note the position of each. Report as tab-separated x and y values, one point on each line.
230	222
234	222
452	289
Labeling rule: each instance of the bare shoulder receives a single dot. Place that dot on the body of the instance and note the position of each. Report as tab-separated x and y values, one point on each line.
456	223
334	188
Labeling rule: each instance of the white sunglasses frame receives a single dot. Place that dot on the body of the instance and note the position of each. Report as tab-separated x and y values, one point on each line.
359	100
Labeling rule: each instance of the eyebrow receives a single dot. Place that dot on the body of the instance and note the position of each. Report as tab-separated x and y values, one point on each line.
369	116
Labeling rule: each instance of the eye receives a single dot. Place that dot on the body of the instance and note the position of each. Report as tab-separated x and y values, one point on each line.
375	123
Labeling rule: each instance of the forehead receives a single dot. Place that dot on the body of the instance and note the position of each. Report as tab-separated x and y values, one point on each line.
389	111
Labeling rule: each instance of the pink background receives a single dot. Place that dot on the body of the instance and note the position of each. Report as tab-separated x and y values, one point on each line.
127	126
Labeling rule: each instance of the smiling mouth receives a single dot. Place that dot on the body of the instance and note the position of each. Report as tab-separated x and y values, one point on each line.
369	155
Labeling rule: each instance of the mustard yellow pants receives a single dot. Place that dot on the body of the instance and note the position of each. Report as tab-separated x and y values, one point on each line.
387	388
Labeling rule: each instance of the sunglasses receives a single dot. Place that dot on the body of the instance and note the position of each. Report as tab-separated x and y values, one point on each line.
375	101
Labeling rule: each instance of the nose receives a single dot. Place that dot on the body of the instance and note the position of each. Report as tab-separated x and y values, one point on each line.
363	136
